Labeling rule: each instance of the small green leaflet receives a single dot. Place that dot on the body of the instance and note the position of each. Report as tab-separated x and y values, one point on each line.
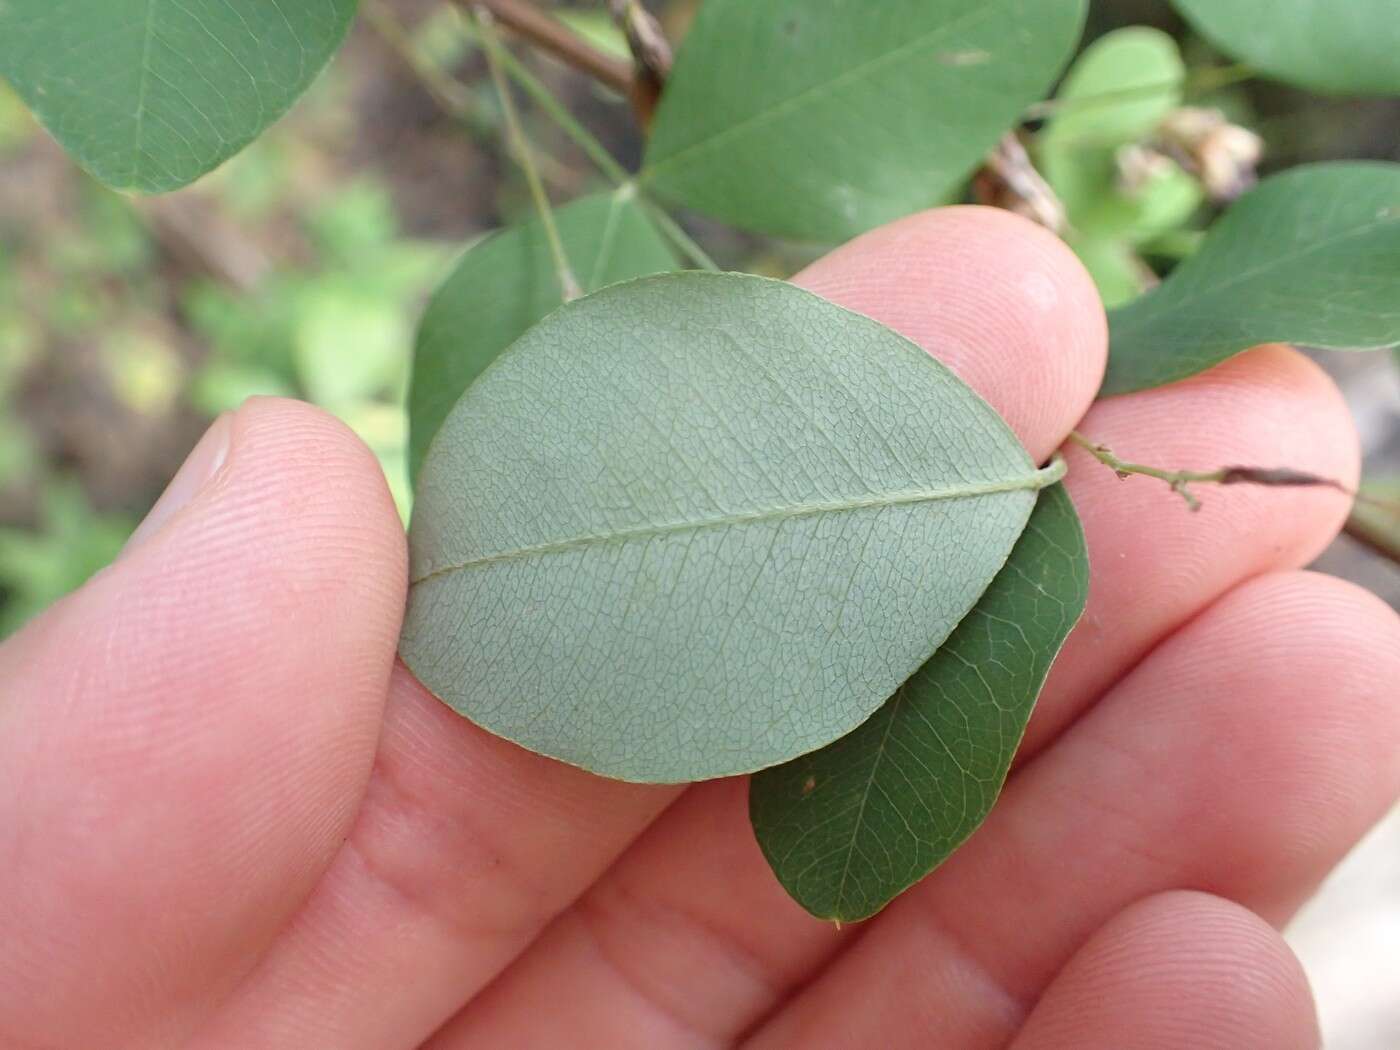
506	283
1310	257
820	119
850	827
699	524
1344	47
148	95
1116	95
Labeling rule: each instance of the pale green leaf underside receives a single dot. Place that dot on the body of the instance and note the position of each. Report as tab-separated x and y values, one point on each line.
697	524
819	119
506	283
850	827
1310	257
149	95
1338	46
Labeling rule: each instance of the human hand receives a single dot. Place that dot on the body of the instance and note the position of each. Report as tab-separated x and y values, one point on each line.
228	818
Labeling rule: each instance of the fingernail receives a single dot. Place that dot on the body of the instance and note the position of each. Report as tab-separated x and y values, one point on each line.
199	467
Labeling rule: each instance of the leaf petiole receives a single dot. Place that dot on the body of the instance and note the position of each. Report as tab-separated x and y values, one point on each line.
1181	481
568	283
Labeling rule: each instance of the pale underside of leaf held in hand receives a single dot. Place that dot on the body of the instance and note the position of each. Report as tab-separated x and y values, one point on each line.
149	95
699	524
506	283
850	827
1310	257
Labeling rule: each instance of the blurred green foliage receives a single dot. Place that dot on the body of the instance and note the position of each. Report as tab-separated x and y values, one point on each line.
70	542
331	321
338	333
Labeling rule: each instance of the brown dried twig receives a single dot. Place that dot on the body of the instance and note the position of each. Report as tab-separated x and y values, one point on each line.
549	34
651	54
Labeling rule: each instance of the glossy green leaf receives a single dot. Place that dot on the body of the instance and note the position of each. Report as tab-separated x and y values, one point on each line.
818	119
1338	46
149	95
506	283
698	524
850	827
1310	257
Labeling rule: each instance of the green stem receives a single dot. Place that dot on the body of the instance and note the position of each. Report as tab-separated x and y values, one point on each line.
554	109
1196	83
1380	541
1181	481
568	282
1375	520
446	92
598	153
683	241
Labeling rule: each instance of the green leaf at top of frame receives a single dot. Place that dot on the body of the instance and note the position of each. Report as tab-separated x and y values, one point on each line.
819	119
698	524
1344	47
505	283
850	827
1311	257
148	95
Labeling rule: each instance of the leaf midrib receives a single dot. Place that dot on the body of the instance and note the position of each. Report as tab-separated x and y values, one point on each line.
1035	480
817	91
850	850
139	132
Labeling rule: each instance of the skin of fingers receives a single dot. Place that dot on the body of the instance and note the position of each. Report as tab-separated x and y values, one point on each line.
531	835
466	846
1243	758
1178	970
1269	407
183	741
999	300
698	874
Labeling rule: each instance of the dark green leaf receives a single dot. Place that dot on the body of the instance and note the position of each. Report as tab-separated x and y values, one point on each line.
699	524
1341	46
505	284
850	827
149	95
1310	257
818	119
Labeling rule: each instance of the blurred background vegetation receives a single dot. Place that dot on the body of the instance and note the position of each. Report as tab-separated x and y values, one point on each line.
300	268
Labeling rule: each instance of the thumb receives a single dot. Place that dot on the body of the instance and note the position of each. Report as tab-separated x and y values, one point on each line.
183	741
